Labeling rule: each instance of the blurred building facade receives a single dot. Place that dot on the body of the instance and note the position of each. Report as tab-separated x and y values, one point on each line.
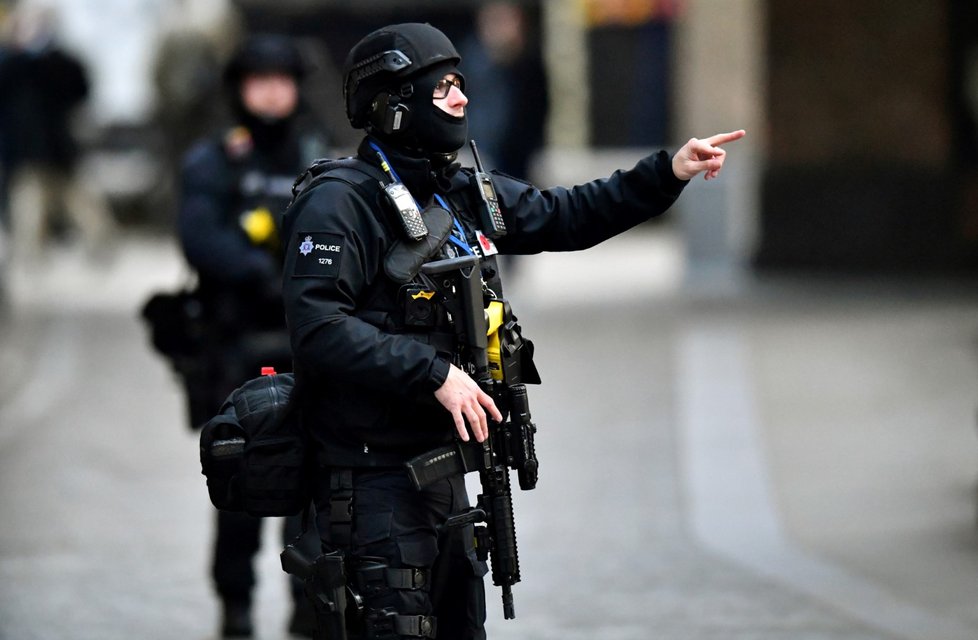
868	162
861	116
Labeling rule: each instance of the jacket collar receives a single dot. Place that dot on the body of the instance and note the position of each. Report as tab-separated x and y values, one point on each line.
419	174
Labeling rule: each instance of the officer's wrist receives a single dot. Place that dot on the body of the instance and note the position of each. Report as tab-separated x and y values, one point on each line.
671	183
438	373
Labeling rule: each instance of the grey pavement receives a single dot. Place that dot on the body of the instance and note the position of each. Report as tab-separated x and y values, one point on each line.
784	458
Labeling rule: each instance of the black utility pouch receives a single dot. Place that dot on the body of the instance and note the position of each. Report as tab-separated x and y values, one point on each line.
254	452
222	443
275	477
274	472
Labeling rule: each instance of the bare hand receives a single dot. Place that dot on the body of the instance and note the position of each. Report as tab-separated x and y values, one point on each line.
463	397
703	156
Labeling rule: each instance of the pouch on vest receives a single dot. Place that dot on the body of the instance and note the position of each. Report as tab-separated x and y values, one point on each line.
405	257
266	474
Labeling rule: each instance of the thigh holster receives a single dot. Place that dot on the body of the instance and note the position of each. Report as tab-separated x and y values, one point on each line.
370	578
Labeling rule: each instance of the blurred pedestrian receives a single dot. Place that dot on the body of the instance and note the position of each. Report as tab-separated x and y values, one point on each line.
234	187
43	86
196	40
507	83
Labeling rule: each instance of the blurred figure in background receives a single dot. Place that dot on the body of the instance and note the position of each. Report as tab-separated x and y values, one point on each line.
42	86
507	83
234	187
197	40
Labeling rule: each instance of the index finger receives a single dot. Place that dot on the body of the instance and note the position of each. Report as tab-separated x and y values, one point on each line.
723	138
486	401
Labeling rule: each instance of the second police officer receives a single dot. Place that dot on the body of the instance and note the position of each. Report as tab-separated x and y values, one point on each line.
376	389
234	187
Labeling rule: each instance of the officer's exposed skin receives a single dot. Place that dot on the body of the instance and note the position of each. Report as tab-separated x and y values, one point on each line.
696	156
460	395
454	103
270	95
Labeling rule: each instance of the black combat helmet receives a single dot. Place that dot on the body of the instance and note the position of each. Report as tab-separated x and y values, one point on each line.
265	53
388	80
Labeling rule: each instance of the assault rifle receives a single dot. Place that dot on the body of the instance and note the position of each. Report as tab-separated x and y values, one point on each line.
496	363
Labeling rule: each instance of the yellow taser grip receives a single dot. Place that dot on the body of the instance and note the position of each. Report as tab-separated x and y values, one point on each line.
493	350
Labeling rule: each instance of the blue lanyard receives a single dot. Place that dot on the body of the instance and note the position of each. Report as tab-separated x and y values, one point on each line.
458	236
387	165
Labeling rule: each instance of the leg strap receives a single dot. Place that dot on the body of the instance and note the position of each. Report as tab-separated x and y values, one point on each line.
341	508
373	576
387	623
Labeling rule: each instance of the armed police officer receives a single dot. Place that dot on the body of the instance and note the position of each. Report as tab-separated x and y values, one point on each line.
376	357
234	187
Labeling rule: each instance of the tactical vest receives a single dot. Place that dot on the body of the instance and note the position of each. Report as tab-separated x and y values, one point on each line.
405	257
404	260
258	196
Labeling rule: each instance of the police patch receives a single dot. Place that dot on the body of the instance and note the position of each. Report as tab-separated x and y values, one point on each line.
318	255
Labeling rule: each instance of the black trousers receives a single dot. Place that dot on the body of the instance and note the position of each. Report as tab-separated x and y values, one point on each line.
237	542
394	521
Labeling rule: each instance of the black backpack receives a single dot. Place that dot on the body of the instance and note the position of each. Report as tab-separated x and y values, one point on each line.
254	451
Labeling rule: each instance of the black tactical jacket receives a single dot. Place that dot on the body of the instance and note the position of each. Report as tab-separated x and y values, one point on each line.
366	380
223	179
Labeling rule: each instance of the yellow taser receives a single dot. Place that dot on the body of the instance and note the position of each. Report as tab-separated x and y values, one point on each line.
493	350
259	224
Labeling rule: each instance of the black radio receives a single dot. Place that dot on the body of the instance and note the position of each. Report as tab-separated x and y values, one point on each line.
401	200
490	215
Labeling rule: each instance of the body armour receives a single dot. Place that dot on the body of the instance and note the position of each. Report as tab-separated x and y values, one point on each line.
233	196
366	373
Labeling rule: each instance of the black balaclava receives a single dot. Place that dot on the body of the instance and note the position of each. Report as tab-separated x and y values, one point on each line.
264	53
393	70
268	134
430	130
